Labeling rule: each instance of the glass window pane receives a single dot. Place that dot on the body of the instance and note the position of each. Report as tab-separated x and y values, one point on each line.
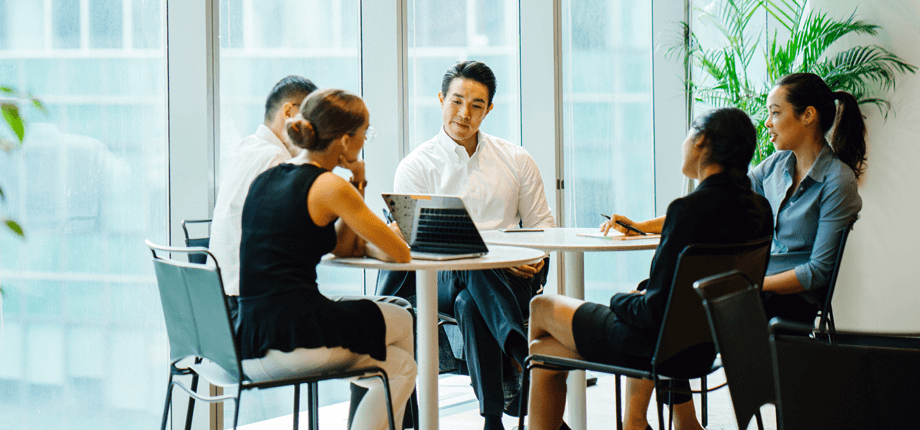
65	18
83	343
607	112
260	43
443	33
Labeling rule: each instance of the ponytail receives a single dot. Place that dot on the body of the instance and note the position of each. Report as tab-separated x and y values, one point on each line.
848	139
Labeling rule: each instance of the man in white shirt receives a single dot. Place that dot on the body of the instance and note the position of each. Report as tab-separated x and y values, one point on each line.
266	148
501	186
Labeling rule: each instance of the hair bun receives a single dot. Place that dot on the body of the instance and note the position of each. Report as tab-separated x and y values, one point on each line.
301	131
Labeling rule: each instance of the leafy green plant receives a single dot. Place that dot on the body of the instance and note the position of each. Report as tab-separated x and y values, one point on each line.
723	75
10	102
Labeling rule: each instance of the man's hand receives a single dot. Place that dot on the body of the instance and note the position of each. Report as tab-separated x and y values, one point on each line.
526	271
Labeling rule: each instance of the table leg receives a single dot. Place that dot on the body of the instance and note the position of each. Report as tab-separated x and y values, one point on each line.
427	330
576	409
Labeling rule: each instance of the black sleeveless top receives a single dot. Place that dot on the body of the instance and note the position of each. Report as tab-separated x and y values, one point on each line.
280	305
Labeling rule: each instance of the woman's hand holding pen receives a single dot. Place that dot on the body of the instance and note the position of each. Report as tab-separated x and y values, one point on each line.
611	224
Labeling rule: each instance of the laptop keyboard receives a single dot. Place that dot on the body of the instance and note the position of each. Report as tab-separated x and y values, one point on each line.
440	227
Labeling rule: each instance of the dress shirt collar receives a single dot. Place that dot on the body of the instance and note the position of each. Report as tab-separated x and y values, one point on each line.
267	134
458	150
818	170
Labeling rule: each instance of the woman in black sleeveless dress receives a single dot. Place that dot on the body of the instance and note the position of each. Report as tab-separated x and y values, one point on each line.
722	209
294	214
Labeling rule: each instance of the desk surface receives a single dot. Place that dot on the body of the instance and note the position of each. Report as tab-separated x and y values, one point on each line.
566	239
497	258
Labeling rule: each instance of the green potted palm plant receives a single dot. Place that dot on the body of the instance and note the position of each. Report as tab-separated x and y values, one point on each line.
724	75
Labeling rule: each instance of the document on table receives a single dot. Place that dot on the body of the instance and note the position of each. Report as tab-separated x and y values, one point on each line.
615	235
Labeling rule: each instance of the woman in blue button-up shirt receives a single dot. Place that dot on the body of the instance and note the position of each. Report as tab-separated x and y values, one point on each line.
811	186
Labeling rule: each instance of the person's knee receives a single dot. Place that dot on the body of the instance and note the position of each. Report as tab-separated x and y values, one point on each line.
464	305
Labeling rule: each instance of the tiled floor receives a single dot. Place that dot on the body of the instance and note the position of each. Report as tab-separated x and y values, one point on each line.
459	409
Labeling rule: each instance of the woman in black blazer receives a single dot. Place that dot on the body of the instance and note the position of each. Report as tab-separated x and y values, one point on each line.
722	209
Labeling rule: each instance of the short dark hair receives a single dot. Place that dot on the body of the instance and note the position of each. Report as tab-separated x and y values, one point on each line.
473	70
292	87
731	137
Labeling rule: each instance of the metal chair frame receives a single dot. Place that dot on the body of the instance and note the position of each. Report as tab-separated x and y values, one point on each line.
226	370
683	327
826	322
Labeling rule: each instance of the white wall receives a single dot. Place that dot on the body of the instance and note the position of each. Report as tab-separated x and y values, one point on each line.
879	288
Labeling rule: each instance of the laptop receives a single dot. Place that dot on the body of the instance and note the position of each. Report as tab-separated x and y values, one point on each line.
436	227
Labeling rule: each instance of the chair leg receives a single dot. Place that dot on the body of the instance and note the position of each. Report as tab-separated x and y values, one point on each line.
525	392
413	407
704	401
619	403
313	402
296	406
759	420
386	390
191	400
236	407
168	400
191	403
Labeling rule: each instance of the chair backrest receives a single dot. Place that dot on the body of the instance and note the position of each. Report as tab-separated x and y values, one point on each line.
192	242
842	386
684	327
739	327
826	311
197	319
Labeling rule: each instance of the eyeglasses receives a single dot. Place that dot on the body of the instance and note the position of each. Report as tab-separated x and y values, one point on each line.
370	134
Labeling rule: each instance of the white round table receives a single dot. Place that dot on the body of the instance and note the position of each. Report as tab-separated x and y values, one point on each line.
567	240
427	308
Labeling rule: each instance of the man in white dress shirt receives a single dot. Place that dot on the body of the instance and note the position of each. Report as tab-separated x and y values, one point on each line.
501	186
266	148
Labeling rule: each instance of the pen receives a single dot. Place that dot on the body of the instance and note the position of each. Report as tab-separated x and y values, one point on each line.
628	227
387	216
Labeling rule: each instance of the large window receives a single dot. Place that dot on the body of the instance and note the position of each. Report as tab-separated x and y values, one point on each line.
607	111
83	342
442	33
260	43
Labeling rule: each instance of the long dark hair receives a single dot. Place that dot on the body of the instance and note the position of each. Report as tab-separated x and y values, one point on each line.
848	139
731	139
326	116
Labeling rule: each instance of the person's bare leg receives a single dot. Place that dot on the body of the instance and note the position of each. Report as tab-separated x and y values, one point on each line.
638	396
547	387
550	334
685	417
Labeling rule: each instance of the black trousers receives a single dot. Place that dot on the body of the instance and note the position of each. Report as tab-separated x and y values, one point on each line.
490	307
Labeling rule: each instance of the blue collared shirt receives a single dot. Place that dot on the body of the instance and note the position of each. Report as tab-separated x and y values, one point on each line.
807	225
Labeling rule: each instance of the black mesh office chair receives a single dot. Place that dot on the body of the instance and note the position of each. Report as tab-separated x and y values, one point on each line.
198	326
820	385
684	330
739	327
